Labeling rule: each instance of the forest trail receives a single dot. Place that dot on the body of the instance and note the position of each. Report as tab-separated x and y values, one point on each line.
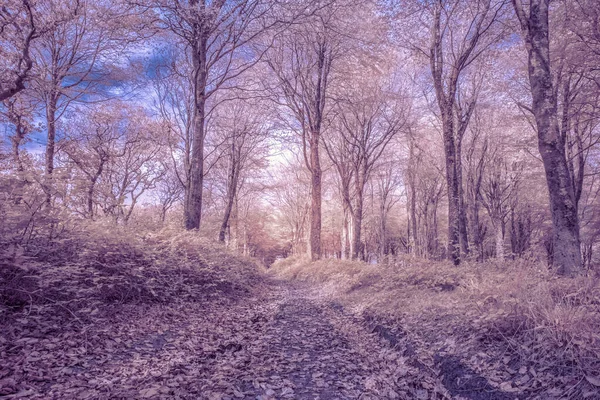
312	349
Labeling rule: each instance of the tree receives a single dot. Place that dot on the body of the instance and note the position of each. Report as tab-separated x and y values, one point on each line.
244	133
75	58
115	148
387	180
302	60
168	191
91	145
19	113
290	198
498	189
214	32
17	31
534	22
475	168
339	152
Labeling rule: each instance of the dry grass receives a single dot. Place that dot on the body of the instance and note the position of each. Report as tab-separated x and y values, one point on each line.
512	308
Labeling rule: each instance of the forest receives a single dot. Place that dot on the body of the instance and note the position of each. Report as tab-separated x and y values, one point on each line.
205	198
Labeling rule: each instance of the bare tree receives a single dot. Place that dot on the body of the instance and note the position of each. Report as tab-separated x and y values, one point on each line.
116	148
19	113
499	186
475	157
387	179
340	153
244	133
168	191
291	200
74	59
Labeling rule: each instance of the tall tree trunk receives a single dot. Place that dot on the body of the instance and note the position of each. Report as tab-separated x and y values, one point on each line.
16	143
359	182
315	206
499	238
231	194
383	250
476	230
453	188
50	144
357	227
567	252
91	189
193	209
462	212
346	237
412	204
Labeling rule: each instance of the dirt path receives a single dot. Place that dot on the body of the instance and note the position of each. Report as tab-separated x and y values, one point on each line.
312	349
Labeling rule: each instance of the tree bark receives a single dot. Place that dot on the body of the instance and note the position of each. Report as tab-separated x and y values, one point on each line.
413	202
383	248
346	237
563	207
50	144
231	192
453	189
316	189
499	237
357	220
193	207
92	187
462	212
25	63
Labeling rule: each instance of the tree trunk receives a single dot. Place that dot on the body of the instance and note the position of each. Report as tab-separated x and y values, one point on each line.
462	212
16	142
50	144
476	230
567	252
193	208
499	237
356	228
452	186
235	240
346	237
315	206
231	193
358	214
383	250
